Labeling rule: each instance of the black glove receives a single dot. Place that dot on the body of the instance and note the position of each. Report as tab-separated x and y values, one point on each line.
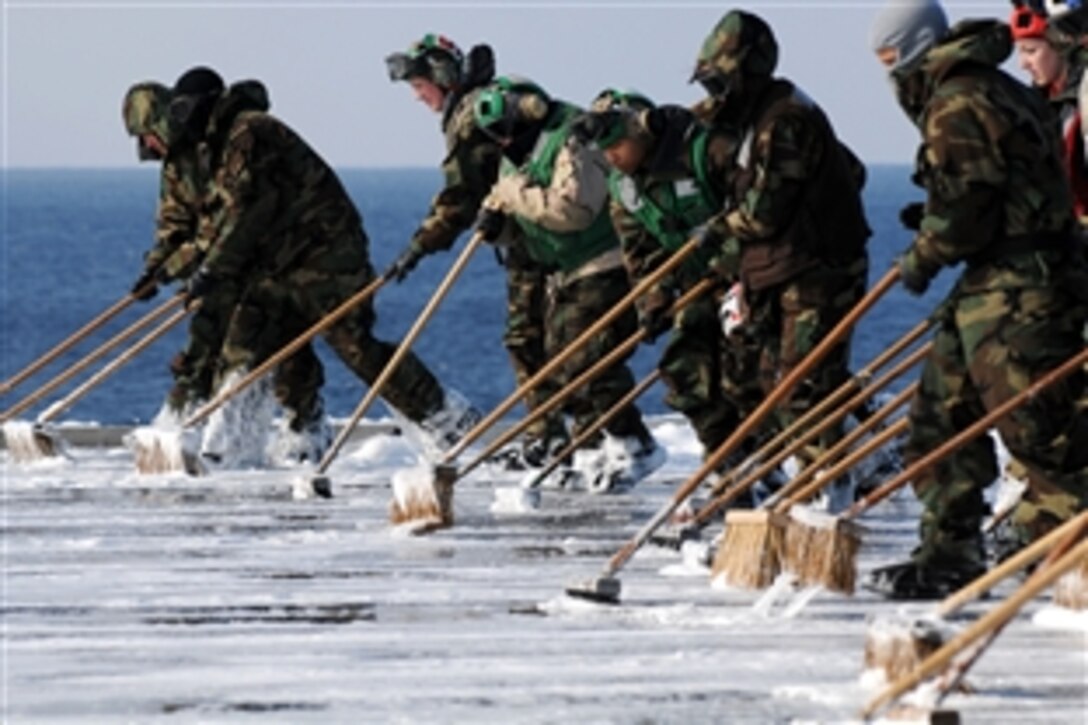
911	215
490	223
654	321
146	285
404	264
199	285
914	273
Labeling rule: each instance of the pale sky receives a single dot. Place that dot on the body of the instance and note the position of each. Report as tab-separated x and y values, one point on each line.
67	65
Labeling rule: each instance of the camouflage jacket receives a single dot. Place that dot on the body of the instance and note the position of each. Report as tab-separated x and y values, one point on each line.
990	161
795	199
668	160
183	182
274	204
470	168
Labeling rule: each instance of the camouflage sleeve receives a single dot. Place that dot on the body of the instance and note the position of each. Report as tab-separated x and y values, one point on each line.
176	219
470	168
964	172
242	204
642	254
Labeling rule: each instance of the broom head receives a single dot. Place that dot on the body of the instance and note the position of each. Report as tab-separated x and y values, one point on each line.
159	451
29	442
895	645
1071	591
423	498
750	554
822	549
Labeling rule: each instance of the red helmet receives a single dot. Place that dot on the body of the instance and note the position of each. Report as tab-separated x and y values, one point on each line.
1026	22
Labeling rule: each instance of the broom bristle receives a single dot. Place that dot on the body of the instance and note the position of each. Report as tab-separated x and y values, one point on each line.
160	451
28	442
823	549
750	553
421	502
895	646
1071	591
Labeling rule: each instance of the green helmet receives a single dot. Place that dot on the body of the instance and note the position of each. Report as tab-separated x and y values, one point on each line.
616	98
144	111
740	46
613	116
434	57
508	102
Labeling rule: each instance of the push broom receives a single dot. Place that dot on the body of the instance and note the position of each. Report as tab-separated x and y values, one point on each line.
69	342
161	451
861	385
736	561
319	482
832	552
993	620
606	587
32	441
439	486
897	645
756	542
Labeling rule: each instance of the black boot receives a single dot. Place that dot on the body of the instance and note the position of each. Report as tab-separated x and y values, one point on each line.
912	580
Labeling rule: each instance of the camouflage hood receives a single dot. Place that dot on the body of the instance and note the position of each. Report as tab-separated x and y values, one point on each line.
971	42
238	98
145	111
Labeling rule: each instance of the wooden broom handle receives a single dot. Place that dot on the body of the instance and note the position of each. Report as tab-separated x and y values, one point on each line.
749	424
113	366
614	356
860	381
288	350
401	352
1076	525
997	617
601	422
66	344
89	359
572	347
969	433
732	490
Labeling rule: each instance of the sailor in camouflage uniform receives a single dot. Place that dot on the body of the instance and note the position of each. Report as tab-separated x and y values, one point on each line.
793	230
448	83
175	256
666	181
999	202
280	228
551	203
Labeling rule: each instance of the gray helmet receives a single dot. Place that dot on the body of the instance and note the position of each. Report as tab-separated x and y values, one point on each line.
910	27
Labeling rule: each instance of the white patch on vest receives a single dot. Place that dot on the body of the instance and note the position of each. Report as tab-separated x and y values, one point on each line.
629	196
744	155
685	187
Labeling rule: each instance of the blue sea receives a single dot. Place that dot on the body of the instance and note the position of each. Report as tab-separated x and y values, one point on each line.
73	242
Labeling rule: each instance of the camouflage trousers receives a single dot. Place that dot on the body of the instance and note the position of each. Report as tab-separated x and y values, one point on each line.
273	311
572	307
526	299
987	348
789	320
297	380
708	376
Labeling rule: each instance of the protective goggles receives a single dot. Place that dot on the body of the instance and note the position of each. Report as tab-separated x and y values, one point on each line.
402	66
602	128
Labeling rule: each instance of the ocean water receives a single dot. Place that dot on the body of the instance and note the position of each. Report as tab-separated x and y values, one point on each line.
73	241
